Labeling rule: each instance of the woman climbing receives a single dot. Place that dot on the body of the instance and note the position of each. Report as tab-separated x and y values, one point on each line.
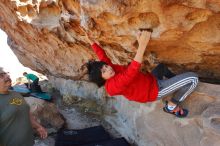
137	86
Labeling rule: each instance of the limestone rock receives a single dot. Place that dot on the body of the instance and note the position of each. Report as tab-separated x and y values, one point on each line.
47	113
147	124
47	36
49	39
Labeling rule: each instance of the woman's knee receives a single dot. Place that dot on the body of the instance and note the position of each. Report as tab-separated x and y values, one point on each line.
192	74
195	77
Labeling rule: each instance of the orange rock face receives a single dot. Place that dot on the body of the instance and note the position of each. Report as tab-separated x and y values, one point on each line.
46	36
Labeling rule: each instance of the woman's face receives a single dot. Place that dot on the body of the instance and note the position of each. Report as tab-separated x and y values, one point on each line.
107	72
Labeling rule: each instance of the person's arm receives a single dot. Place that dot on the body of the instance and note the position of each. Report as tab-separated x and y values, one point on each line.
89	39
98	50
143	40
123	79
29	83
101	54
120	81
40	129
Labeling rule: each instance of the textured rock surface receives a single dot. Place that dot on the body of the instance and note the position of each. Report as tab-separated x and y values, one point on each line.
46	35
45	112
148	125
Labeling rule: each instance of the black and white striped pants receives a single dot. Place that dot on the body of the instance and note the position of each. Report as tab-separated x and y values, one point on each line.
181	85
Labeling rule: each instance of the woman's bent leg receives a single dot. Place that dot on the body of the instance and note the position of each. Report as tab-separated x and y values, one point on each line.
182	85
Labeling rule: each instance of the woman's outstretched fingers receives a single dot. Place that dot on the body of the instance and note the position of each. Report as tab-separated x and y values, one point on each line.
138	35
88	37
144	38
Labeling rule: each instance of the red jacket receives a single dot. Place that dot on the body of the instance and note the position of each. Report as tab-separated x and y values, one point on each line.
128	80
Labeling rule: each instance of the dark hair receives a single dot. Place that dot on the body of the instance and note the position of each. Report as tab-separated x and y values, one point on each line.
94	71
24	73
